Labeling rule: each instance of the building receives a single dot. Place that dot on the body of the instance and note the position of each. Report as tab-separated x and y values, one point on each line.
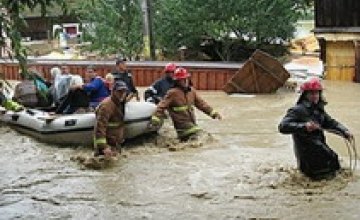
337	28
42	27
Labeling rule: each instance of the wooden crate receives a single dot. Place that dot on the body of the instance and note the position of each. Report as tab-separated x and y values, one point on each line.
261	73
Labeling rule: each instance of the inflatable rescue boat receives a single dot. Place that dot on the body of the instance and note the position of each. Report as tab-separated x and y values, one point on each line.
75	129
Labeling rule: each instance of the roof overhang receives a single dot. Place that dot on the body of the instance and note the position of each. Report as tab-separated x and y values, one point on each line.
336	30
338	34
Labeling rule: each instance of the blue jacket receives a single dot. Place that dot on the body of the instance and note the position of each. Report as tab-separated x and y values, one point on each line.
96	89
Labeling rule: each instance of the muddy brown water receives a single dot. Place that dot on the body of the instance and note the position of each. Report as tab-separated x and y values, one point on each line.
244	169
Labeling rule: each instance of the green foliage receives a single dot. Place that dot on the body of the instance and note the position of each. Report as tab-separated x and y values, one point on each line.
11	22
113	26
232	24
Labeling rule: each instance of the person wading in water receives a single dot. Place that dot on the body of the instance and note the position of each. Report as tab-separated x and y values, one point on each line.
179	102
306	121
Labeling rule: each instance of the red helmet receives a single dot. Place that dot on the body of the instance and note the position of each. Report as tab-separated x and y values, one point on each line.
311	85
170	67
181	73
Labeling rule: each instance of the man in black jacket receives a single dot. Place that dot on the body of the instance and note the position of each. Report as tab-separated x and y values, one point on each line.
156	92
122	73
306	121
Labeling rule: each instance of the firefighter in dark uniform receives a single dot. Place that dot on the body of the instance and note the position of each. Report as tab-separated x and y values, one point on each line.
122	73
156	92
306	121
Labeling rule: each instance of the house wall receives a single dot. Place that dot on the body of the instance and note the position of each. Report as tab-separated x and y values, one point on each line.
337	27
40	28
337	13
340	60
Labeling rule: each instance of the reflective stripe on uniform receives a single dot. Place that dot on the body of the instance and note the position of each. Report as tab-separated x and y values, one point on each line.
186	132
180	108
113	124
155	119
99	141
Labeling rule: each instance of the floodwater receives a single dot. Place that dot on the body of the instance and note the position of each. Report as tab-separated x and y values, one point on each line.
242	169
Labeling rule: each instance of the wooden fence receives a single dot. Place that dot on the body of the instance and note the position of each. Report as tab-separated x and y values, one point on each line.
205	75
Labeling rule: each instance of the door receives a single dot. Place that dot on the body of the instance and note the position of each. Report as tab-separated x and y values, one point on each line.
340	60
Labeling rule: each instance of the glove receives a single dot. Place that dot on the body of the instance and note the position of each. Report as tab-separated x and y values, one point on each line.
216	115
155	123
348	135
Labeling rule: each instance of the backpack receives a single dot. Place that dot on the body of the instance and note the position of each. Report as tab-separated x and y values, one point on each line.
26	93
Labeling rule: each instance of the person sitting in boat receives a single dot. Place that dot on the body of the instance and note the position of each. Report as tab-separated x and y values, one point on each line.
39	75
55	73
122	73
26	92
306	121
42	87
156	92
109	126
62	85
96	88
179	102
109	82
8	104
76	100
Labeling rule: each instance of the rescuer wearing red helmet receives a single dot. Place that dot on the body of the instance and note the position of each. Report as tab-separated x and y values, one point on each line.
156	92
179	102
170	67
306	121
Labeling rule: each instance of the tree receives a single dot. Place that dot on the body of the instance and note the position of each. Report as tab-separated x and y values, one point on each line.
231	24
11	22
176	24
112	26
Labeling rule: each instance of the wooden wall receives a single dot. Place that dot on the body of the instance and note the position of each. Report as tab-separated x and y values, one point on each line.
357	61
337	13
204	76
